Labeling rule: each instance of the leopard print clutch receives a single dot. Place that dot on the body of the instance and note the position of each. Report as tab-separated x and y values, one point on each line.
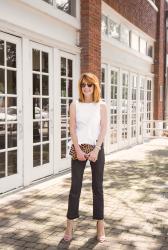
86	148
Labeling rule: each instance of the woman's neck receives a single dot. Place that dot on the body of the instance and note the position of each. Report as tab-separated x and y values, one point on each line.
88	100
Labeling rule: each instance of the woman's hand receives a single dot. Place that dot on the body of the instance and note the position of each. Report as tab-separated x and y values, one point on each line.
93	155
81	155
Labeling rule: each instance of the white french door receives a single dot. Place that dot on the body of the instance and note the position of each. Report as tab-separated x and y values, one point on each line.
124	126
133	107
114	109
42	111
68	85
10	113
142	106
149	106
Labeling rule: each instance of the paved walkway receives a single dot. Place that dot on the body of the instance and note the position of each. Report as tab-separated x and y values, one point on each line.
136	206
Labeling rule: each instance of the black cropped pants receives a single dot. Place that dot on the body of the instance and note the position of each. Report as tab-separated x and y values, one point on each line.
77	170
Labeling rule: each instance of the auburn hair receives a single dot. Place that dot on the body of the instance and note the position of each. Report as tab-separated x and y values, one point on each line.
90	78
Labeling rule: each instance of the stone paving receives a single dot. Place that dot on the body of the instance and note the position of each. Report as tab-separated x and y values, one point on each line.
136	206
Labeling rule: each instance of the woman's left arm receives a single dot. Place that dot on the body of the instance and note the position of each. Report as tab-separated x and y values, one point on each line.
103	129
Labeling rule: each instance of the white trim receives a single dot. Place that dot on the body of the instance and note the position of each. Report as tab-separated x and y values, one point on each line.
57	110
115	43
56	13
38	38
27	111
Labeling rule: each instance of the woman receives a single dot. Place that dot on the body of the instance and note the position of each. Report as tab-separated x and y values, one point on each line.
88	122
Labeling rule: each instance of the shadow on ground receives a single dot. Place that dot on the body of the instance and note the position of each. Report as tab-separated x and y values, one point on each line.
136	202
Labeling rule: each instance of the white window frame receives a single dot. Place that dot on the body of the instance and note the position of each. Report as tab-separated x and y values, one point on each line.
49	9
16	180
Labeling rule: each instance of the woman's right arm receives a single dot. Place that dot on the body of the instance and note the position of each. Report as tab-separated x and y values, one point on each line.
80	153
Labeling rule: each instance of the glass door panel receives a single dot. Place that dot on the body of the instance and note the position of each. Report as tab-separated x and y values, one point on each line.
113	107
133	103
124	107
66	99
10	113
41	111
149	109
142	112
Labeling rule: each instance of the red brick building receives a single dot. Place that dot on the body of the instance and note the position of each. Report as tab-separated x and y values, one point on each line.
44	47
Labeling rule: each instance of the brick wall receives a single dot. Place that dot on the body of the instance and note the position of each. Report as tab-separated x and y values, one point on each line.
138	12
159	64
142	15
90	36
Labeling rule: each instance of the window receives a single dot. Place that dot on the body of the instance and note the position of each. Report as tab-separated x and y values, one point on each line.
104	25
134	41
143	46
125	35
66	99
68	6
103	76
149	50
114	29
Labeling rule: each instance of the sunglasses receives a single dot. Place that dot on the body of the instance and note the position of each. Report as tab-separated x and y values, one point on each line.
83	85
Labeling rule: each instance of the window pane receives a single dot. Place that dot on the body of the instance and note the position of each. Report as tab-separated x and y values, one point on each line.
11	82
69	88
36	132
68	6
11	109
63	108
104	25
45	130
125	35
63	66
44	85
2	136
11	54
102	91
45	108
12	162
12	135
36	108
2	81
69	68
150	50
134	41
36	84
63	149
114	29
36	156
103	75
36	59
1	52
2	108
45	62
45	153
63	87
2	165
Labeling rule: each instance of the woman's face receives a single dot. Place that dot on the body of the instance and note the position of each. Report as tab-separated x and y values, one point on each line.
87	89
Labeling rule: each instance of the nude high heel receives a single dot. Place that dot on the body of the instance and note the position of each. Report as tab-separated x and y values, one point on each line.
68	237
100	238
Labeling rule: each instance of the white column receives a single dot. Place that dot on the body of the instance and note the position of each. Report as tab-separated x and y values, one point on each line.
27	112
57	109
108	102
